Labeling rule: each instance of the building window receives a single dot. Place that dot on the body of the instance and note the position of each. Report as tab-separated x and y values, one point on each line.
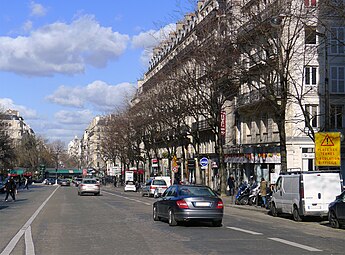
310	35
310	75
336	116
337	40
309	3
338	79
312	113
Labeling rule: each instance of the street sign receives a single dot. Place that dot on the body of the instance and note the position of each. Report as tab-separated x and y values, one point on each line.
204	161
327	149
174	165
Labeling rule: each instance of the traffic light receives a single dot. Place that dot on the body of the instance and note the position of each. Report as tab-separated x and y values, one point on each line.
191	164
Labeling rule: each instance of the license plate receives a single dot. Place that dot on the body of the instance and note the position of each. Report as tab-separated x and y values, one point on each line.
202	204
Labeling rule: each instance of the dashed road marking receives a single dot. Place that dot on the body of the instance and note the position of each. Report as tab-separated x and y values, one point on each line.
132	199
245	231
304	247
29	244
301	246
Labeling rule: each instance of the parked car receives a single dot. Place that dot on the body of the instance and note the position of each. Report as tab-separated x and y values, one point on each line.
49	181
305	193
130	186
88	185
65	182
336	211
154	187
189	202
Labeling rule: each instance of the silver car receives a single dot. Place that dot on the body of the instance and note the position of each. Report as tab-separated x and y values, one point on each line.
89	185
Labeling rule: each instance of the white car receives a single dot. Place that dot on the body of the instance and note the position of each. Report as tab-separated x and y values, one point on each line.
88	185
130	186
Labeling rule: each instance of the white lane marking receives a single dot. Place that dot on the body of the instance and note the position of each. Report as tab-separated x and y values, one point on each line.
29	244
305	247
132	199
245	231
10	246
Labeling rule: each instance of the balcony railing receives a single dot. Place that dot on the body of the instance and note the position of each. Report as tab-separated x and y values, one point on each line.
256	96
201	125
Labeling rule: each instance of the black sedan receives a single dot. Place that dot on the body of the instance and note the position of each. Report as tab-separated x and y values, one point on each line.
181	203
336	211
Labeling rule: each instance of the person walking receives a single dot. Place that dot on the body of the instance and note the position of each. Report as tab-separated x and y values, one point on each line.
26	183
10	187
231	186
263	191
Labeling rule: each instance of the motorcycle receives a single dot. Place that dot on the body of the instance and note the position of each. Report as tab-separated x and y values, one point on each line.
254	197
242	196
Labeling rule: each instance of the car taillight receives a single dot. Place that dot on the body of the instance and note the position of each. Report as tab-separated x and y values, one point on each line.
220	205
98	185
301	192
182	204
81	185
151	187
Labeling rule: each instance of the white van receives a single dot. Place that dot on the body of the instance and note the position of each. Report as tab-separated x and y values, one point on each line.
305	193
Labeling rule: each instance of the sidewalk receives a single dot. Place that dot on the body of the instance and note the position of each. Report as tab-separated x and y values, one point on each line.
230	202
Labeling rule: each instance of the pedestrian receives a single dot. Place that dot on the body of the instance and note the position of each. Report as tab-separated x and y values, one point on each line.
10	187
263	191
231	185
26	183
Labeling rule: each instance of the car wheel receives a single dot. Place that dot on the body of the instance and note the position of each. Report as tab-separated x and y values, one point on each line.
155	214
217	223
274	210
295	214
172	221
333	220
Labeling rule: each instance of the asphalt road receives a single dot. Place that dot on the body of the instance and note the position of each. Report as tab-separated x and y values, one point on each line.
55	220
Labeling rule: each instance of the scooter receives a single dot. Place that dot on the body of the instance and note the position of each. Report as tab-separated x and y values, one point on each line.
254	197
242	196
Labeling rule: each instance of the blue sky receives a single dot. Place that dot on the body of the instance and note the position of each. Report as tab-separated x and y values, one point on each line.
64	62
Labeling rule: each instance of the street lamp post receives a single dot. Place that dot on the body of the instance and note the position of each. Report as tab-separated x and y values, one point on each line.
326	82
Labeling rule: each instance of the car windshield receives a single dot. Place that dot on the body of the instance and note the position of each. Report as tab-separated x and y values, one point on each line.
159	182
196	191
130	183
89	181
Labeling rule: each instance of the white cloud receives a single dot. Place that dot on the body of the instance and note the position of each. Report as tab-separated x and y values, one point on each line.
26	113
100	95
62	48
74	118
37	9
149	39
27	26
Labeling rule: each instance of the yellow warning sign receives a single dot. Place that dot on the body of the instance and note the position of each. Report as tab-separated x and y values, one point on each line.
327	149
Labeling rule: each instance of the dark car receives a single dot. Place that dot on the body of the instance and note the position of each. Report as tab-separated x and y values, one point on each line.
50	181
65	182
336	211
189	202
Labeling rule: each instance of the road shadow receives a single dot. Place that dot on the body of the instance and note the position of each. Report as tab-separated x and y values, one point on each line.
3	207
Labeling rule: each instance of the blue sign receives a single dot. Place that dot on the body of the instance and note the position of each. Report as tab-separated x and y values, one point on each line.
204	161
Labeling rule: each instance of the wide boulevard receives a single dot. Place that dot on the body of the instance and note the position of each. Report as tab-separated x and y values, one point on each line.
55	220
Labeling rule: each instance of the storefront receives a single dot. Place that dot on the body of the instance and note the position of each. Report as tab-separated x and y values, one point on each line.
254	161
